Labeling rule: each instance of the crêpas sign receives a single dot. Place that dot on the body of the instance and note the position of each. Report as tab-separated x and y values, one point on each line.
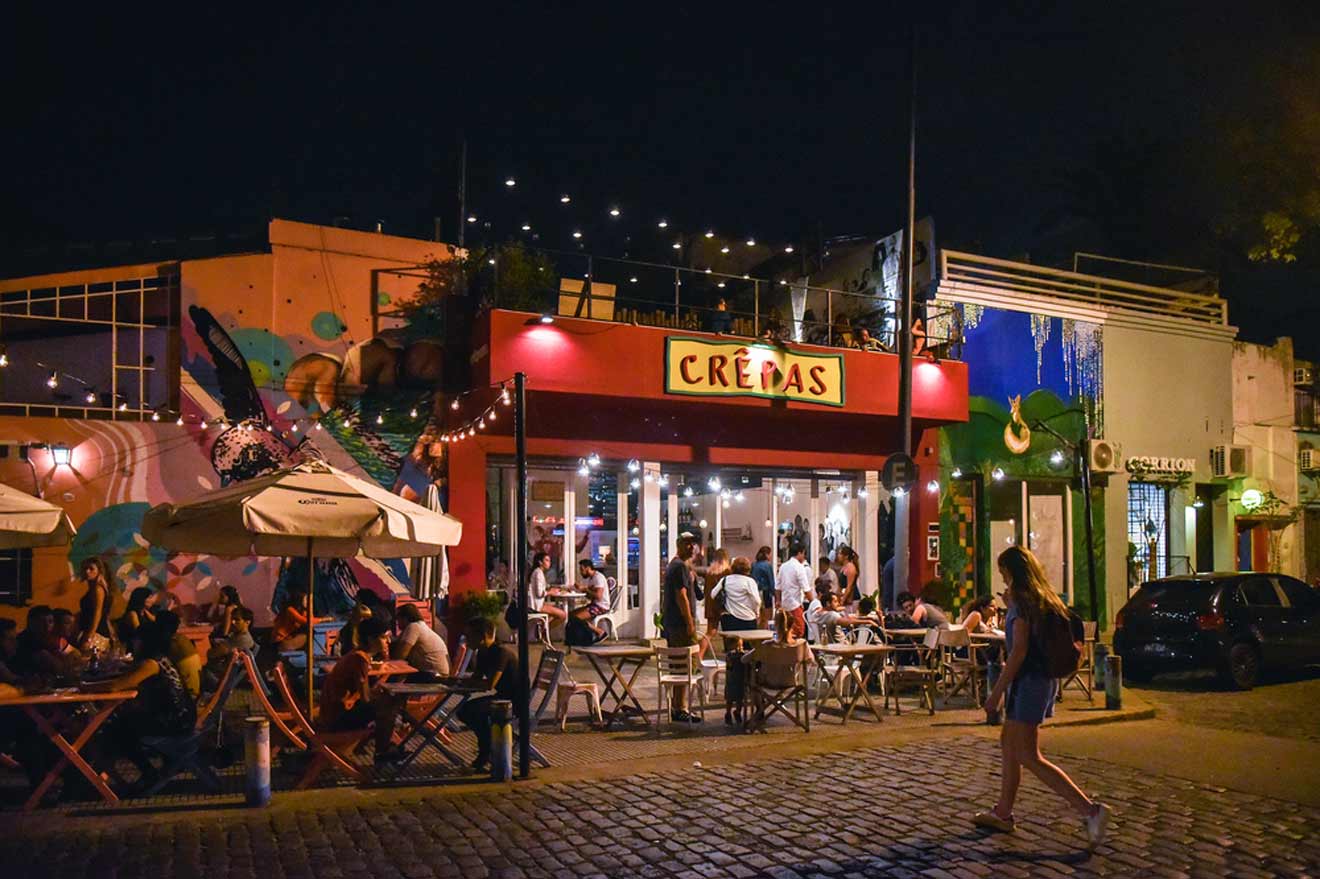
734	369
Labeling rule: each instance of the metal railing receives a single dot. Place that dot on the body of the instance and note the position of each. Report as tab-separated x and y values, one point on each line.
957	268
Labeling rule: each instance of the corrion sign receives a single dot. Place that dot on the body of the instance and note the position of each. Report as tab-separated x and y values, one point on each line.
735	369
1149	464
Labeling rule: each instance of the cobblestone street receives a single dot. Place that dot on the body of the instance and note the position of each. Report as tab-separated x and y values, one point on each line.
867	812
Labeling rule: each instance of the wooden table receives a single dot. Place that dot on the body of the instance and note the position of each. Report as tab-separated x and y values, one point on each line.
383	671
200	636
750	636
907	633
609	661
850	657
50	712
428	726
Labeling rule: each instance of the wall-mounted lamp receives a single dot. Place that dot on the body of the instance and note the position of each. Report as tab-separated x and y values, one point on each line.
59	455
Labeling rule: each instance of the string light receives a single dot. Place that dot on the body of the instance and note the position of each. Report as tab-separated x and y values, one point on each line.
4	359
380	419
751	242
179	422
454	405
614	212
577	233
295	427
788	248
318	426
155	416
54	381
472	218
90	396
710	233
527	227
412	413
202	424
663	224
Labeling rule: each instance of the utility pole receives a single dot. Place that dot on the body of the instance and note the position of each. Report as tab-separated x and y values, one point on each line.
462	191
903	505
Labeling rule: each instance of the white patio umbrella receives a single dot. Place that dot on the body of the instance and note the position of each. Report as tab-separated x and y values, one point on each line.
310	510
27	521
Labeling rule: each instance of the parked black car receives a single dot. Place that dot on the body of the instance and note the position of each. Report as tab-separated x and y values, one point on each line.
1237	624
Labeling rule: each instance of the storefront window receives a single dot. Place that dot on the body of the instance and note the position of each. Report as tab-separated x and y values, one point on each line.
1148	532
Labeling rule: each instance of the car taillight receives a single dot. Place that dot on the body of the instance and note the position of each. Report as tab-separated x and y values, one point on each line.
1118	620
1208	621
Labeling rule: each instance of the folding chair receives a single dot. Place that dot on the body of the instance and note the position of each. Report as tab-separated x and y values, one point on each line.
773	685
925	674
330	749
677	667
555	677
282	720
1084	677
957	672
606	621
183	753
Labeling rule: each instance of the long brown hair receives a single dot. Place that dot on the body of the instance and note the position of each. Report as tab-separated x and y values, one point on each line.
1028	585
95	562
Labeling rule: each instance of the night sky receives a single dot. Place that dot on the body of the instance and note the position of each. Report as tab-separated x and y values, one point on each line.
1043	128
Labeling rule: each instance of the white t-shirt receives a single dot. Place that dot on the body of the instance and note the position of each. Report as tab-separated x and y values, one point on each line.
742	597
537	587
812	614
794	584
422	648
598	590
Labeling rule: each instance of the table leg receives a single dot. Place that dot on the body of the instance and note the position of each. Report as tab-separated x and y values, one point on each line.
835	690
627	686
432	737
608	679
863	680
71	755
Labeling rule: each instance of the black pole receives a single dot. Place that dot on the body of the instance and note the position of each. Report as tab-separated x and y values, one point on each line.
909	230
524	683
1090	536
462	192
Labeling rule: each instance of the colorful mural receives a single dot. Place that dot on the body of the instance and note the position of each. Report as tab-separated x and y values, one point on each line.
1030	376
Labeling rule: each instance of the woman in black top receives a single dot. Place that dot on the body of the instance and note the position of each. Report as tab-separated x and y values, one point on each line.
94	608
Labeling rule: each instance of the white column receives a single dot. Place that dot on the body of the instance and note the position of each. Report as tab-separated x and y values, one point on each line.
622	532
570	530
1068	555
868	533
671	517
718	521
638	620
902	513
774	530
813	514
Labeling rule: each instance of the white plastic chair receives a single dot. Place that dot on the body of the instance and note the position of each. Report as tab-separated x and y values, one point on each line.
606	621
677	667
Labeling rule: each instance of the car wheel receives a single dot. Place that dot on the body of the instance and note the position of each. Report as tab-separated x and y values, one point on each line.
1243	667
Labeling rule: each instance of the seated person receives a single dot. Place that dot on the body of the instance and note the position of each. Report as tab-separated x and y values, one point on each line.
221	613
596	587
137	613
8	651
240	638
349	702
923	613
539	591
495	667
162	707
979	615
832	619
292	625
350	637
867	342
65	633
33	654
419	645
182	652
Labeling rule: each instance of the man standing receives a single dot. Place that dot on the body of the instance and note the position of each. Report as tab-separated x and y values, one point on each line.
677	618
794	588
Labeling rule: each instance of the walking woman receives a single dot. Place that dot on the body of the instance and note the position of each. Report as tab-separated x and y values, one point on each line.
1030	693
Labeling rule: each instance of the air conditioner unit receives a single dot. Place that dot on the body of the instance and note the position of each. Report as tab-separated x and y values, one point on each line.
1227	462
1303	375
1104	456
1308	459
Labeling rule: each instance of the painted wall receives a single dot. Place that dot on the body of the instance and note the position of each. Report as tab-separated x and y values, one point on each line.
1168	392
284	341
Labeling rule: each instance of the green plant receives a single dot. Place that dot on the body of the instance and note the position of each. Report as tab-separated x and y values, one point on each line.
505	275
482	605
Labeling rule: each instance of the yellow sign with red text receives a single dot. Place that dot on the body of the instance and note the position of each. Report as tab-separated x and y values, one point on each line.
736	369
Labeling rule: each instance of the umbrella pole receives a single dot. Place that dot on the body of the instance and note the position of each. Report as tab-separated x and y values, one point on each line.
311	632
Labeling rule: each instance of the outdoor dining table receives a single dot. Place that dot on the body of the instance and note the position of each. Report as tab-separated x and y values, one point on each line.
429	725
383	670
749	636
610	662
567	598
850	658
51	712
907	633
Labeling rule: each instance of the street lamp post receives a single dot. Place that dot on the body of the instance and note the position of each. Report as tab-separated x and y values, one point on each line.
1079	455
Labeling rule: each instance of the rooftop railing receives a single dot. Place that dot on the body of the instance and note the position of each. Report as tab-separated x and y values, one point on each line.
959	269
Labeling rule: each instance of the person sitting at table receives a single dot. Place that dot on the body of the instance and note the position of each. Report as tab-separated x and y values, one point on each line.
135	615
8	651
831	619
979	615
292	625
740	596
539	591
182	652
419	645
33	654
64	632
221	612
240	638
350	636
922	613
495	667
349	702
162	707
597	588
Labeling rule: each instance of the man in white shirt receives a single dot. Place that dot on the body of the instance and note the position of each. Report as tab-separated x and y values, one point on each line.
794	588
418	644
596	587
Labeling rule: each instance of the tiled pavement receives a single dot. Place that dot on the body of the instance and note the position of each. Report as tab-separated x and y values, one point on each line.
869	812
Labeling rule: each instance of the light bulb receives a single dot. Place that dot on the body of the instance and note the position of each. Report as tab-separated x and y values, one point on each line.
663	481
454	404
155	416
663	224
900	491
648	476
577	234
564	199
677	245
471	432
769	524
527	227
710	233
504	396
179	422
1056	457
583	469
490	262
614	212
202	424
472	218
957	473
90	396
632	280
724	249
4	360
295	427
53	381
708	270
593	460
634	466
687	491
704	524
740	497
720	285
933	486
863	493
634	483
510	182
123	407
491	415
751	242
481	424
412	413
997	474
788	249
713	483
318	425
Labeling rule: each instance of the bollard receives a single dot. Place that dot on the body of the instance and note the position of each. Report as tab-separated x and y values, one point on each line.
992	672
1100	653
501	740
1113	682
256	746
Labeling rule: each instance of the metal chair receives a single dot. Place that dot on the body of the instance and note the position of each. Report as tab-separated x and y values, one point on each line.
925	674
957	672
606	621
1084	678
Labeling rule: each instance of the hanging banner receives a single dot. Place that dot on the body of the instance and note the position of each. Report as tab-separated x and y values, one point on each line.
734	369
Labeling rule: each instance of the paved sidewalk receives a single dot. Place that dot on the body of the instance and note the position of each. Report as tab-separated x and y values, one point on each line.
868	812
